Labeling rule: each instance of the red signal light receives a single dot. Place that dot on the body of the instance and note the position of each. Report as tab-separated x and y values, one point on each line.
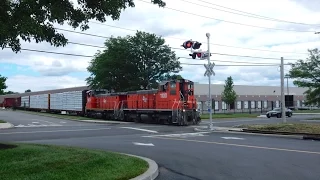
199	55
187	44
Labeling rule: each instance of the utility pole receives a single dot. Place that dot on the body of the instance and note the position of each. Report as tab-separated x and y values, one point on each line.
283	106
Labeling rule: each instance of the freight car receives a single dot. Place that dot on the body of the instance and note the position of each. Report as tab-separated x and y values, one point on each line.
11	102
172	103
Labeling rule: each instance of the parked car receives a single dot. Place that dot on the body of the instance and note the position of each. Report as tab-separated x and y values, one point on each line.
276	112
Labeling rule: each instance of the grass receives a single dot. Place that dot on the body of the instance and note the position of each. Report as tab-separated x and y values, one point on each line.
231	115
286	127
28	161
314	118
1	121
307	111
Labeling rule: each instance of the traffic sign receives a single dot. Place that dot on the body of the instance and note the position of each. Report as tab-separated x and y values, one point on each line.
209	69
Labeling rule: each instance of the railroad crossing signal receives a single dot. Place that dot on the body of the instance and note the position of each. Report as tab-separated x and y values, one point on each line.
196	45
201	55
209	69
191	44
187	44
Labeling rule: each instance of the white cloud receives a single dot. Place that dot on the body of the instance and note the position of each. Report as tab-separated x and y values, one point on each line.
176	27
20	83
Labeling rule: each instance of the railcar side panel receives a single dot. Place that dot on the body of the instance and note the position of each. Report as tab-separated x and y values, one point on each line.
39	101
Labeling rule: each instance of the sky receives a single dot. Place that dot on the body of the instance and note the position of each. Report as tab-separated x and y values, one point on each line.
231	33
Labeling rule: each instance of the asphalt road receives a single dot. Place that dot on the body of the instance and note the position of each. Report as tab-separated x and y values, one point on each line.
180	152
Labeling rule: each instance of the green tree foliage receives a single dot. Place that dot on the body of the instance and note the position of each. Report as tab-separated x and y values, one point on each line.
11	92
307	75
132	63
34	19
3	85
28	90
229	95
168	77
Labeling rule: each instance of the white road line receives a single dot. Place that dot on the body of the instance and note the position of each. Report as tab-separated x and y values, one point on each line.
49	122
37	125
232	138
143	144
183	135
139	129
67	130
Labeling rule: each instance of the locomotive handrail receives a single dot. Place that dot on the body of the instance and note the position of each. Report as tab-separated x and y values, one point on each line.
114	109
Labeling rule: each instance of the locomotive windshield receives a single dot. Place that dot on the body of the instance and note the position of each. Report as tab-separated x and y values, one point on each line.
173	88
190	85
173	85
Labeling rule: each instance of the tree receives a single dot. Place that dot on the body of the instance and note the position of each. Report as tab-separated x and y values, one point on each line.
30	19
229	96
3	85
307	75
132	63
168	77
11	92
28	90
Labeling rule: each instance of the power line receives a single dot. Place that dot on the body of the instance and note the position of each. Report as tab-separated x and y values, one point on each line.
241	65
190	13
229	46
230	61
79	55
222	54
250	14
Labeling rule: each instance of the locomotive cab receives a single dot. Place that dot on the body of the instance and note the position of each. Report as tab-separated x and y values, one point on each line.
91	98
183	103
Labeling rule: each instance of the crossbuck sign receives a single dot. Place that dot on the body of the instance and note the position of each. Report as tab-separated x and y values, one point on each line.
209	69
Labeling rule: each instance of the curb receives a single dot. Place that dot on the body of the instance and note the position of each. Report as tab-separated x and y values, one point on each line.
6	125
255	134
301	135
104	122
152	172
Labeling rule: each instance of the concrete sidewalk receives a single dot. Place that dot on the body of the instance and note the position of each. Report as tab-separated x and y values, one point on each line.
6	125
216	128
105	121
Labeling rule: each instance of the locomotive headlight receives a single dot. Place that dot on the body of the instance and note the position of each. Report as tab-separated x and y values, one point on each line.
184	110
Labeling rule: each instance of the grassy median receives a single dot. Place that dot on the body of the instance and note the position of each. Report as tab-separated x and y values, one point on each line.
314	118
230	115
286	127
307	111
28	161
1	121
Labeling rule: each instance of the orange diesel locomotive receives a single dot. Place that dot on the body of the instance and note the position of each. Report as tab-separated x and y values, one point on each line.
172	103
